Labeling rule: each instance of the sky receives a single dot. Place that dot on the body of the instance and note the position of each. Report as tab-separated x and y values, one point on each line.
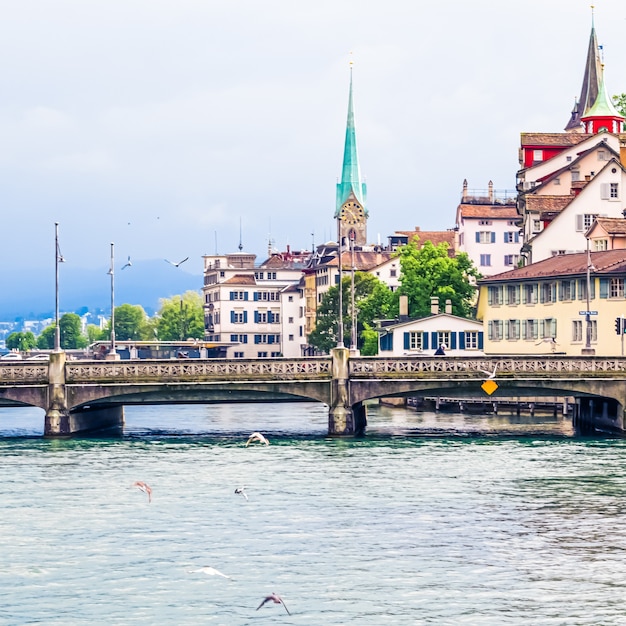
169	127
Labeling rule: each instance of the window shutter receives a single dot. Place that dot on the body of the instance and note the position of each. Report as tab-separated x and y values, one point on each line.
407	341
232	317
452	341
604	191
386	341
245	317
477	237
245	295
425	340
481	340
516	237
561	290
256	295
579	223
257	339
270	339
604	287
525	330
493	237
245	338
256	317
232	295
490	295
541	329
461	340
433	340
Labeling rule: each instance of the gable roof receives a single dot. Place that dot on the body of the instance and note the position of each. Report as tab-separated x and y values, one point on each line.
364	261
547	204
434	236
611	225
608	262
487	211
240	279
386	329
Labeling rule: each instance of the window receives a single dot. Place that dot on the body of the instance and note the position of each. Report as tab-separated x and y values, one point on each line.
238	317
584	221
616	288
392	273
484	222
494	330
575	176
512	294
511	259
238	355
261	355
485	260
600	244
485	236
238	295
531	329
494	296
537	226
582	289
267	338
601	155
258	275
547	328
513	329
568	159
290	299
290	320
614	191
239	338
577	330
548	292
557	181
511	237
275	355
594	330
443	338
537	156
290	337
609	191
271	275
567	290
471	340
416	340
530	293
267	296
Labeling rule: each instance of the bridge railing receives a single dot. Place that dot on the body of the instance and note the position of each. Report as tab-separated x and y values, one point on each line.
199	370
26	373
455	367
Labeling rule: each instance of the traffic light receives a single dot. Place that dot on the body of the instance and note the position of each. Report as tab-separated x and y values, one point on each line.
619	325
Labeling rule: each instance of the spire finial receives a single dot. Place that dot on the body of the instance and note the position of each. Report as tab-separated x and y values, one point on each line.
592	14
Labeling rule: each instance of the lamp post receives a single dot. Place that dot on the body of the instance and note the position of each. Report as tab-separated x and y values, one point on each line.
58	258
339	253
588	349
113	355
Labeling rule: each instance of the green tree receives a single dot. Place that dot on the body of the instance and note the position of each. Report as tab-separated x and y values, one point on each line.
45	341
21	341
428	271
180	317
373	299
369	338
131	323
620	103
70	329
95	333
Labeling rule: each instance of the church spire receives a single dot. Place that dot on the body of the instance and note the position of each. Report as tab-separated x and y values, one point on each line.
591	82
351	183
602	116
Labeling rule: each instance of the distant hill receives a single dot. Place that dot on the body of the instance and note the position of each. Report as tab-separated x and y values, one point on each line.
30	294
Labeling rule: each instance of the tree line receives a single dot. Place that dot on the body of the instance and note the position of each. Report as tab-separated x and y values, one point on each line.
178	318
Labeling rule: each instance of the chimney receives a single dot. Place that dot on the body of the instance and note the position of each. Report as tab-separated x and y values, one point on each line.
434	305
404	307
491	191
464	194
449	307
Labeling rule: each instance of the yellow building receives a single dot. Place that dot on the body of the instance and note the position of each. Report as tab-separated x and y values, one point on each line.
542	308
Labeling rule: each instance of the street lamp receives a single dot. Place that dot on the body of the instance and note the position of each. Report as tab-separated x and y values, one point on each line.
353	341
588	349
112	356
339	253
58	258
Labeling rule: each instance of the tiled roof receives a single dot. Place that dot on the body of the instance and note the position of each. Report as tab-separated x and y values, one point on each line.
434	236
240	279
488	211
564	265
612	225
552	139
363	261
547	204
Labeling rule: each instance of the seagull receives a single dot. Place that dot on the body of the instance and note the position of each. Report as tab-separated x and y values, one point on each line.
210	571
490	375
276	599
241	490
179	262
546	340
128	264
144	487
257	437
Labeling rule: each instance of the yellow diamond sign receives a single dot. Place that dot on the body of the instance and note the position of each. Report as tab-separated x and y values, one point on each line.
489	386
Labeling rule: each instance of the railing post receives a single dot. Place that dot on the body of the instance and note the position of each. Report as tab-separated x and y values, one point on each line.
57	421
340	414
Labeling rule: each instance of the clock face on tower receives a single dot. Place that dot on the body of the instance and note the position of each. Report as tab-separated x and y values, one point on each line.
352	213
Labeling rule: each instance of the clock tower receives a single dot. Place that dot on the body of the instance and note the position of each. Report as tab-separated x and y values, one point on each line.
351	191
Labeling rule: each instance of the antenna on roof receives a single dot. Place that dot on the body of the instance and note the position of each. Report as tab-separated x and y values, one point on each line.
216	243
240	242
313	241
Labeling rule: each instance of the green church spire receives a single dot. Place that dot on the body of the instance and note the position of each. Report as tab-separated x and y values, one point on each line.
351	183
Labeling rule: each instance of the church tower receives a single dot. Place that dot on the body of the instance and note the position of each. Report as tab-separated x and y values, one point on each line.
591	83
602	116
352	191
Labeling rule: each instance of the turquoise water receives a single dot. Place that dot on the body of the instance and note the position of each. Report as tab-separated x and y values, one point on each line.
431	519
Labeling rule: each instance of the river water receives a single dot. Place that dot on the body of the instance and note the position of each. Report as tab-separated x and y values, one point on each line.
429	519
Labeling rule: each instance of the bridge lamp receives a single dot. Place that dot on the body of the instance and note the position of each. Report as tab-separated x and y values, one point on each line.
58	258
339	252
112	356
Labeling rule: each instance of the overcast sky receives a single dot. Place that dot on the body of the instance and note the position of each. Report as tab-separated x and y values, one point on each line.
160	124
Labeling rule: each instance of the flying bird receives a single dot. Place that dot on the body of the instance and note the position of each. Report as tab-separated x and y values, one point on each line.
241	491
145	488
128	264
276	599
179	262
490	375
257	437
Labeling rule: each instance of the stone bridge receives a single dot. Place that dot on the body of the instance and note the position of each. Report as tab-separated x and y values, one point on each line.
82	397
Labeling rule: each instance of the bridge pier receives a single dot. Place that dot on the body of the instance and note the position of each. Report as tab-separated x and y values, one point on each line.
57	420
340	414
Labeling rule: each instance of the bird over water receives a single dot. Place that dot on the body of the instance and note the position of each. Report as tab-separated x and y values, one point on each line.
257	437
276	599
144	487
